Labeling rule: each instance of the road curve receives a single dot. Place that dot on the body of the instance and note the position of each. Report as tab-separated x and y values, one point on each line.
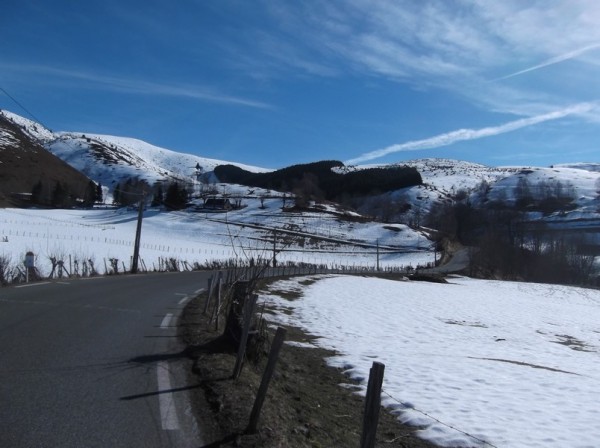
96	363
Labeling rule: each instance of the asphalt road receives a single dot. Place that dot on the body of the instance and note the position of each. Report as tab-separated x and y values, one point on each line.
95	363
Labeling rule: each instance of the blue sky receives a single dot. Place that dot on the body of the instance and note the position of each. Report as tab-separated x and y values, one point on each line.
278	82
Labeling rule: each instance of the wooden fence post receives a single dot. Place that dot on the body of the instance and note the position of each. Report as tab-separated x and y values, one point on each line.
372	406
249	306
209	287
234	323
266	379
218	305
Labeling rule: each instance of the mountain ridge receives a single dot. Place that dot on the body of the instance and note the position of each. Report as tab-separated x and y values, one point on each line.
25	166
109	160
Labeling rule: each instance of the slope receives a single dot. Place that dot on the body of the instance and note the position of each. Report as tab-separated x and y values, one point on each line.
109	160
24	163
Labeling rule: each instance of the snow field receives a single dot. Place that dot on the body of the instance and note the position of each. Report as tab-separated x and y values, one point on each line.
512	364
192	237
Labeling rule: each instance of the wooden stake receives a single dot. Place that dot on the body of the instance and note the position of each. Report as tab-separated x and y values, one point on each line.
218	306
266	379
209	287
372	406
248	313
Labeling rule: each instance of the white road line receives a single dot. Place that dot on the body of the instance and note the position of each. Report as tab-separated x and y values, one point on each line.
184	300
166	321
63	283
28	285
93	278
199	291
28	302
168	415
180	294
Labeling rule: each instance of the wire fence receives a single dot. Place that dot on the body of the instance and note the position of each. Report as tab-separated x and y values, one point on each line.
234	273
437	420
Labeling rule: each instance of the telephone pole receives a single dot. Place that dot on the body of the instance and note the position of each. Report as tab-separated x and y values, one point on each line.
274	248
377	254
138	235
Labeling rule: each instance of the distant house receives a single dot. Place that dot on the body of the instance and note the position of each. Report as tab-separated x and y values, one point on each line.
218	204
21	197
221	204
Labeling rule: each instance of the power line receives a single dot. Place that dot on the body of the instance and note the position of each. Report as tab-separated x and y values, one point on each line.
23	107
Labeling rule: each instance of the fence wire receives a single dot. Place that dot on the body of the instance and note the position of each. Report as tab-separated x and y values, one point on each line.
406	405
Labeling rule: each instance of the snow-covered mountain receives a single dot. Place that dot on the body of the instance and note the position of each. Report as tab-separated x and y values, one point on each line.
29	172
574	189
109	160
446	179
580	166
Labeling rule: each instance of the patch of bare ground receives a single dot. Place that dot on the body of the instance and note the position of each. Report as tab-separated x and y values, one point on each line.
305	404
573	343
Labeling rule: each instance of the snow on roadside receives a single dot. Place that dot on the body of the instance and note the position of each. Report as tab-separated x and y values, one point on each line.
513	364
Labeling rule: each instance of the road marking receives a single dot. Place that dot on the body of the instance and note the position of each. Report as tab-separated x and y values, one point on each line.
63	283
166	402
66	305
184	300
28	285
166	321
92	278
28	302
199	291
180	294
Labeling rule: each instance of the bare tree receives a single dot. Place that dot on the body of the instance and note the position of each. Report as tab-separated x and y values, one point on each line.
6	269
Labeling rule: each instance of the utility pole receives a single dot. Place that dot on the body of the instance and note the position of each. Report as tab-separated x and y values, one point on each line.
138	235
377	254
274	248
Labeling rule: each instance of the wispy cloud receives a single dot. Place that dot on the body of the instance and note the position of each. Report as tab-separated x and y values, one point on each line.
471	134
555	60
138	86
453	47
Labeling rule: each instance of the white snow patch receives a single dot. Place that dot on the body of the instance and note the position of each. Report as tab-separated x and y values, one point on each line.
513	364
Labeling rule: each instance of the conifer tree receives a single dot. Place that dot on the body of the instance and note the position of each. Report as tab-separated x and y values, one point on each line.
99	198
36	193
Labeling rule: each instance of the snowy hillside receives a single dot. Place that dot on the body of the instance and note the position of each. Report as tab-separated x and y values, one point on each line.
444	179
109	160
31	128
29	172
576	186
580	184
473	363
450	176
316	238
580	166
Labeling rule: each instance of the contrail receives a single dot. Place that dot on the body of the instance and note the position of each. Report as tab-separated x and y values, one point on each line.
471	134
555	60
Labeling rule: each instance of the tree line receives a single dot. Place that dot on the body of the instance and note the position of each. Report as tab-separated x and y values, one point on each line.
172	195
324	180
506	242
61	195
